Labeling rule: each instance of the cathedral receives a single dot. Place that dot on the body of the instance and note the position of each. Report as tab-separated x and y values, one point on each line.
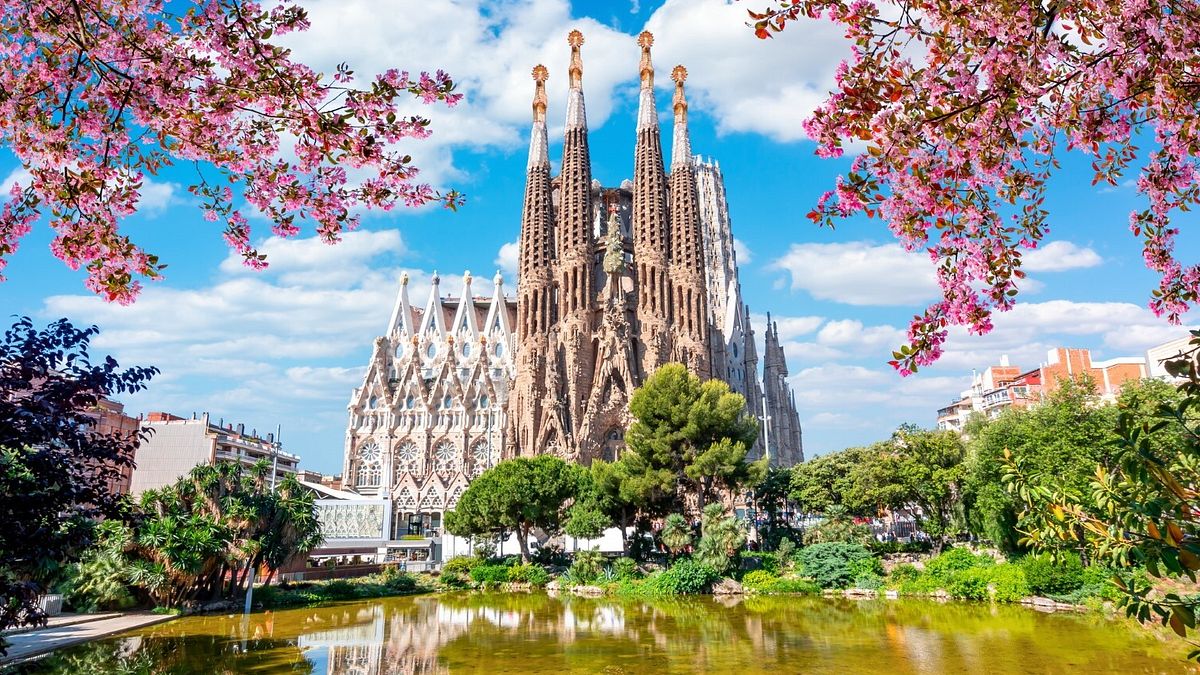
612	283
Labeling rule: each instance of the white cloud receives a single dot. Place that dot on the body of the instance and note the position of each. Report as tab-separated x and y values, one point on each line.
489	50
18	175
790	327
507	260
860	273
742	251
285	345
747	84
157	197
1057	256
309	261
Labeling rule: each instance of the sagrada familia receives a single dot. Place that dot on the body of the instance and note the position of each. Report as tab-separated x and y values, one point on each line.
612	283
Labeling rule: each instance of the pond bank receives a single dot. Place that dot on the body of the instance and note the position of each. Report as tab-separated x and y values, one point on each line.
33	643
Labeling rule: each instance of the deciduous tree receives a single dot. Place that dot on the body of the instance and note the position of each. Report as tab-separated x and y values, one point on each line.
96	97
517	495
964	110
55	465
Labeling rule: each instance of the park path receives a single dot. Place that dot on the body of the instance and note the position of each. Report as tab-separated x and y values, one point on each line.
28	644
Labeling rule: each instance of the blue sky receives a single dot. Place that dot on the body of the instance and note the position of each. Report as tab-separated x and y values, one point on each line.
287	345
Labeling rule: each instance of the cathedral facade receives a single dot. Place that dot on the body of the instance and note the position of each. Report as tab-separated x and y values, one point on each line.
613	282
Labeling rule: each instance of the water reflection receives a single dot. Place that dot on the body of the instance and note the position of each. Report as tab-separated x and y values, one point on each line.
536	633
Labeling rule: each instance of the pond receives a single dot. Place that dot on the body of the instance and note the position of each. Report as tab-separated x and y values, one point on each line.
537	633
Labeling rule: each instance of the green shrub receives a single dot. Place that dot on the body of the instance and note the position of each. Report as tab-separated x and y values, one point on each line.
400	583
866	567
588	566
955	560
462	564
625	568
904	573
829	564
529	573
339	589
98	583
1001	583
1049	577
1008	583
868	581
489	575
794	586
759	580
685	577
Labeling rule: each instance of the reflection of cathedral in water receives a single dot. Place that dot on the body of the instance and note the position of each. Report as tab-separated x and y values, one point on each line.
377	639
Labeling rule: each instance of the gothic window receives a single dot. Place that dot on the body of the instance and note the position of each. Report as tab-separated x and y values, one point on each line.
399	350
614	443
481	458
447	401
431	350
466	349
445	458
408	458
483	401
735	350
372	402
499	349
370	466
410	402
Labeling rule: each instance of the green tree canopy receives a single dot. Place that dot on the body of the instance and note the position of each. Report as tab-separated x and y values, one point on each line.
1066	436
55	466
688	433
517	495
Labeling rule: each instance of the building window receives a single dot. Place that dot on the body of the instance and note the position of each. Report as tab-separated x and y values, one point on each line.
399	350
410	402
370	467
408	458
483	401
447	402
445	458
431	350
372	402
466	349
499	350
481	458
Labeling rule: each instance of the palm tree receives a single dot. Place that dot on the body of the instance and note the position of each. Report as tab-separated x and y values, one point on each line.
676	535
722	536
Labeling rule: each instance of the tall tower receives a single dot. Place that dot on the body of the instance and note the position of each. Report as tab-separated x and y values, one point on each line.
574	270
650	252
785	445
689	306
535	285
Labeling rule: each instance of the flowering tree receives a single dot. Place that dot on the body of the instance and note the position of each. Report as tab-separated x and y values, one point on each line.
963	108
97	95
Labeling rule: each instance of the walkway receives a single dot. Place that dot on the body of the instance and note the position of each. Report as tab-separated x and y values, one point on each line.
71	631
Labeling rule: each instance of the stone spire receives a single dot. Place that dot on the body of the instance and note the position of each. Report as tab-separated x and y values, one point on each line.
690	302
574	271
786	446
650	245
401	322
537	223
681	145
535	280
575	191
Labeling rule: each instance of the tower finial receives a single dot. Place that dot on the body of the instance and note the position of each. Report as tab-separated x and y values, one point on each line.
575	39
540	75
679	103
646	69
